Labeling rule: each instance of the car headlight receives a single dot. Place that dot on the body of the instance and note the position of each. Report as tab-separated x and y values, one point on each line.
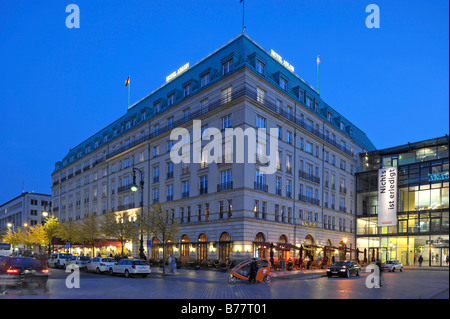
328	269
342	270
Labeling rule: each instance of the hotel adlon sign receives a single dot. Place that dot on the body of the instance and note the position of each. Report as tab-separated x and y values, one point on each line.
387	196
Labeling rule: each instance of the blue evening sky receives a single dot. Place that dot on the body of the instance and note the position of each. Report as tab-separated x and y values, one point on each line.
59	86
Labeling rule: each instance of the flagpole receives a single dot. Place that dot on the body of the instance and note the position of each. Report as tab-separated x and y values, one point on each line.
129	88
243	16
318	90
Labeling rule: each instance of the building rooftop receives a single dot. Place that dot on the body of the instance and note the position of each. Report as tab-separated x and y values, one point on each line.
242	50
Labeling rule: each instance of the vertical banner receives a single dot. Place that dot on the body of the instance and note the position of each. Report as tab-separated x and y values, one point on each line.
387	196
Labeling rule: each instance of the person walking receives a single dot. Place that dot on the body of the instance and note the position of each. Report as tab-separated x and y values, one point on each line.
420	260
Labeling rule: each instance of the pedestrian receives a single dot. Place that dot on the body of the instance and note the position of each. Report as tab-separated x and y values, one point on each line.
253	270
380	271
415	258
332	259
420	260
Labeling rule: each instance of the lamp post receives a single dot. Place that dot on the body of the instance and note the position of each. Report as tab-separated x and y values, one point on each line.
345	239
134	188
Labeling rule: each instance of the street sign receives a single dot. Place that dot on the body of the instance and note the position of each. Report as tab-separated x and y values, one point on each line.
67	244
149	243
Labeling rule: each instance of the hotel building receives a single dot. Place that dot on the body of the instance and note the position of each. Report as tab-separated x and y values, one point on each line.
422	220
225	210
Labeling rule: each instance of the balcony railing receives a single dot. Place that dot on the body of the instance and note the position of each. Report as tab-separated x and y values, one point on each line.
309	177
308	199
224	186
216	104
261	187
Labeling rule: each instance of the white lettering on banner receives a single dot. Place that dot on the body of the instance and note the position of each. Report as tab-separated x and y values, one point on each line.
387	196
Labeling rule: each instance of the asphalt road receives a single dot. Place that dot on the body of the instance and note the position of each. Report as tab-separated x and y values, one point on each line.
191	284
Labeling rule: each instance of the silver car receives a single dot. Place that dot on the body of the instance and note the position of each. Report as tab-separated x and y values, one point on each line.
100	264
79	261
130	267
392	265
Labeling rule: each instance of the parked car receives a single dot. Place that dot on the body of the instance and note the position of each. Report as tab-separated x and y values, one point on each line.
392	265
100	264
344	268
130	267
58	260
80	261
19	270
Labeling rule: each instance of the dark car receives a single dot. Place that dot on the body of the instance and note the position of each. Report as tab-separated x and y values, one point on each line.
344	268
19	270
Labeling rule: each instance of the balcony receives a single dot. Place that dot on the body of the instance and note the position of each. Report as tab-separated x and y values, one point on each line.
308	199
261	187
224	186
169	198
123	188
126	206
343	190
184	194
309	177
169	175
203	190
342	209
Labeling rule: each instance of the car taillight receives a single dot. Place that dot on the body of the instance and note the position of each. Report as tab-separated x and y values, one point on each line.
45	271
134	267
12	271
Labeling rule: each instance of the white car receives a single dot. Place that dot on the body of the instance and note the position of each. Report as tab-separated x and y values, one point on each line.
392	265
58	260
130	267
100	264
79	261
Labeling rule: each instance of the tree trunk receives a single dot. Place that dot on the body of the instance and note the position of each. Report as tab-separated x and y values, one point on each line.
164	258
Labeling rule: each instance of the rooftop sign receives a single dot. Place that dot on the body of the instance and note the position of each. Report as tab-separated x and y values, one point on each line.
278	57
177	73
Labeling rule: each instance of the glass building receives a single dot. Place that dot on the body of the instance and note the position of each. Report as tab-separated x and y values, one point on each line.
422	204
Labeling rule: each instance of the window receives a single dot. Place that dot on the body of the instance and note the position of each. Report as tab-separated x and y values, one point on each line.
204	106
278	185
185	189
155	174
261	122
204	80
157	106
187	90
187	114
171	100
283	84
226	121
226	95
170	123
203	184
227	67
308	101
342	126
289	137
260	67
330	117
309	147
260	94
169	192
342	166
155	150
156	195
156	130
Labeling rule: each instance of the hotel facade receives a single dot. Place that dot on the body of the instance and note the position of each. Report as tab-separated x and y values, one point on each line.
225	209
421	219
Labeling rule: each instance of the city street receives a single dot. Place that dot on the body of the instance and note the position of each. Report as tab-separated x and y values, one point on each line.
191	284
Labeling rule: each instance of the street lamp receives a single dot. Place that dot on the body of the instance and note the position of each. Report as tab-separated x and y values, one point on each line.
134	188
345	239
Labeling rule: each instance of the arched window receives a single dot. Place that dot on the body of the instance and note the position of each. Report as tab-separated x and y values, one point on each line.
282	254
155	248
224	246
184	247
259	250
202	247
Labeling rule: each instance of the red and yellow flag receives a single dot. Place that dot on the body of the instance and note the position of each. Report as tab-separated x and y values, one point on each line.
127	82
